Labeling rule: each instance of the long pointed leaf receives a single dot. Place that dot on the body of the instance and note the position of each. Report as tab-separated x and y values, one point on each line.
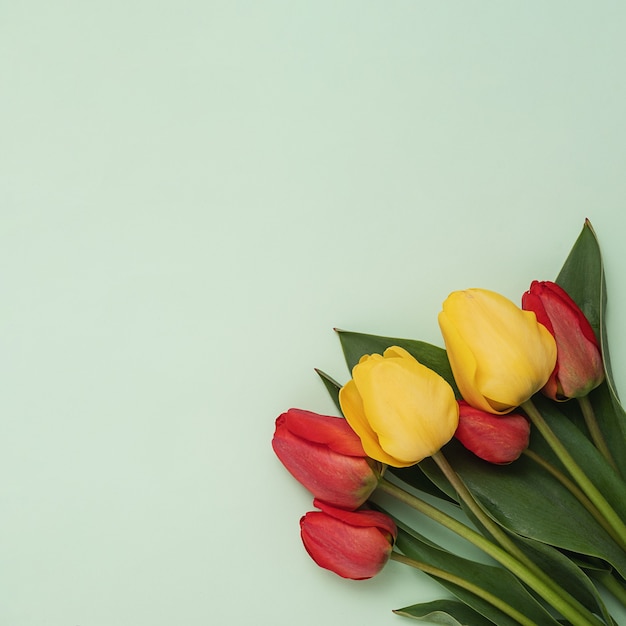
511	506
332	386
446	612
528	501
355	345
585	454
582	276
493	579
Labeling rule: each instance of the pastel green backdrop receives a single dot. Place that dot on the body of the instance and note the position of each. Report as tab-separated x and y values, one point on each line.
192	195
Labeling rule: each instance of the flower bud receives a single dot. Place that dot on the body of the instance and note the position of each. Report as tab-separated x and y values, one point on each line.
579	366
326	456
500	355
353	544
494	438
402	411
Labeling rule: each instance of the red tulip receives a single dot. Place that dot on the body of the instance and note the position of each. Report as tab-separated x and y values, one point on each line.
494	438
578	367
326	456
353	544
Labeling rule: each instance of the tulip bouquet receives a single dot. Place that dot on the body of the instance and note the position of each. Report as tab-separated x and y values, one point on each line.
513	437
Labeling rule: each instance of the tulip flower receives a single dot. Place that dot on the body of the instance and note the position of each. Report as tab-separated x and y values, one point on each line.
326	456
500	355
579	366
495	438
353	544
402	411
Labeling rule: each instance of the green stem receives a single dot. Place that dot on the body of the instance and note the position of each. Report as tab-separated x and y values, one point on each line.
577	616
464	493
576	472
595	432
495	530
465	584
577	493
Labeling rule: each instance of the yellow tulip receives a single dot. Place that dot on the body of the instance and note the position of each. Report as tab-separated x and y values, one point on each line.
402	411
500	355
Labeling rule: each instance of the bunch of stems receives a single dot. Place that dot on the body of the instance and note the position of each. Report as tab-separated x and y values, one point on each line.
497	543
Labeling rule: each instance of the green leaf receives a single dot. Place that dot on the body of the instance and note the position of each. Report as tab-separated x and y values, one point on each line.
495	580
332	386
355	345
521	503
611	419
582	276
525	499
584	453
446	612
568	574
415	476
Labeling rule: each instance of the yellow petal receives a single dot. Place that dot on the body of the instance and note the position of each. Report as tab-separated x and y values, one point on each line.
397	352
352	408
463	364
411	408
513	354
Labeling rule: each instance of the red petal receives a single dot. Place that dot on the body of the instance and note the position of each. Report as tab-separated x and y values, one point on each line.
531	301
345	481
351	551
494	438
359	518
334	432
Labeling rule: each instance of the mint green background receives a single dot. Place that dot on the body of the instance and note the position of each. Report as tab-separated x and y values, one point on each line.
192	195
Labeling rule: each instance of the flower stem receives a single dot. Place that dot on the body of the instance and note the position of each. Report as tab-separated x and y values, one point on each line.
494	529
589	489
467	585
577	493
579	616
464	493
595	432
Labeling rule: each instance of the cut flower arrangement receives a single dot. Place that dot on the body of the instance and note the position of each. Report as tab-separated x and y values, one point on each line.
512	437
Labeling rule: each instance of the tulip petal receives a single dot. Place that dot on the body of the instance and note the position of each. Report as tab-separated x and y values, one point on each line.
333	432
532	302
530	361
346	481
352	407
359	518
410	408
355	552
579	367
514	355
494	438
463	363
